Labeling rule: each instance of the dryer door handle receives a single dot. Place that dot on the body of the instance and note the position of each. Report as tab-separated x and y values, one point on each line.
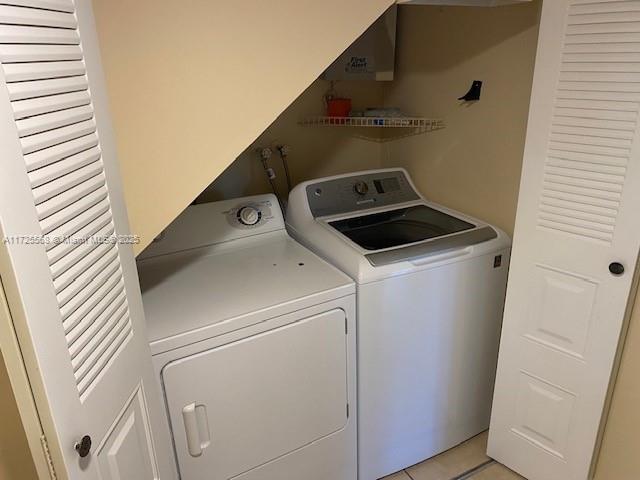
196	428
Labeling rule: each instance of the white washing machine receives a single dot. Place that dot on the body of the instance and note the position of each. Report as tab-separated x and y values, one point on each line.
430	293
253	341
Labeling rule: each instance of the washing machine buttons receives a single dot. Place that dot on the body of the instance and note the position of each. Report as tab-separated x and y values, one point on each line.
361	187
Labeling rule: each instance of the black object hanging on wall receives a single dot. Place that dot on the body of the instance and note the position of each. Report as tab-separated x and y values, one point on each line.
473	95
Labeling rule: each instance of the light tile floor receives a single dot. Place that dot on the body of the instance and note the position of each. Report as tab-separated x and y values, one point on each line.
454	463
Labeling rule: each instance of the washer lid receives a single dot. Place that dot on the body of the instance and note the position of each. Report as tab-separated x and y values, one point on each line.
198	294
402	226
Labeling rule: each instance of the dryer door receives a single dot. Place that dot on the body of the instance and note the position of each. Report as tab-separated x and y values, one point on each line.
244	404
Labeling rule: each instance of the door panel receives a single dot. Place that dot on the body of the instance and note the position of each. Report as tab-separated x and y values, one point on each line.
561	310
250	402
577	214
542	414
67	256
127	451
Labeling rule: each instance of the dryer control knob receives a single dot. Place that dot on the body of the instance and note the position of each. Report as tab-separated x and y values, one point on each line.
249	215
361	188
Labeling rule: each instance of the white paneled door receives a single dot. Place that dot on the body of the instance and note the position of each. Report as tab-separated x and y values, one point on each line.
576	240
67	261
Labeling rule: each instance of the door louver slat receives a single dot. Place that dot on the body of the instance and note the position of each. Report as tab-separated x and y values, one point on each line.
22	72
87	221
68	279
36	35
89	230
55	196
55	5
574	137
69	164
76	280
43	140
41	88
80	348
99	360
60	218
39	53
53	103
112	297
36	17
590	7
70	304
46	157
43	65
50	121
80	254
97	348
88	177
595	116
83	358
88	308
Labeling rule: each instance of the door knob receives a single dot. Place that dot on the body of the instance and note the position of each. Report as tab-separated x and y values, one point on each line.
83	447
616	268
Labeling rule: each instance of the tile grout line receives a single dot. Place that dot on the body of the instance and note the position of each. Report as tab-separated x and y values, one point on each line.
467	474
472	471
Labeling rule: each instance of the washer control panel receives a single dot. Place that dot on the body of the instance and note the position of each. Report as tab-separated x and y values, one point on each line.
250	215
351	193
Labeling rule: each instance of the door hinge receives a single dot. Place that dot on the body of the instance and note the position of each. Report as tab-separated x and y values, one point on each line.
347	410
346	328
47	456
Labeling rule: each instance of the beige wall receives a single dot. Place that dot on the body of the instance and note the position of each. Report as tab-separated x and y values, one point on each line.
315	152
191	86
474	163
15	457
620	454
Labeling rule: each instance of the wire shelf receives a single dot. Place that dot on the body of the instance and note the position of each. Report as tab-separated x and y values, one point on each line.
423	124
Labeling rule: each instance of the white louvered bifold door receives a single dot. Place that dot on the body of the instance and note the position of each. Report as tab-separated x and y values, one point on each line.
61	210
576	240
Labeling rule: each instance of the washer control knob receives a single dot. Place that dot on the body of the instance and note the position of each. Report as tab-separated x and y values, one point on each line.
361	188
249	215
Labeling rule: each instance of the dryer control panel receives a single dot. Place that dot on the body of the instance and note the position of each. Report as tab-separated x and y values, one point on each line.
351	193
218	222
250	215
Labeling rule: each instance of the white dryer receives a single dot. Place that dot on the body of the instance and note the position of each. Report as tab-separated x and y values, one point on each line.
253	341
430	293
